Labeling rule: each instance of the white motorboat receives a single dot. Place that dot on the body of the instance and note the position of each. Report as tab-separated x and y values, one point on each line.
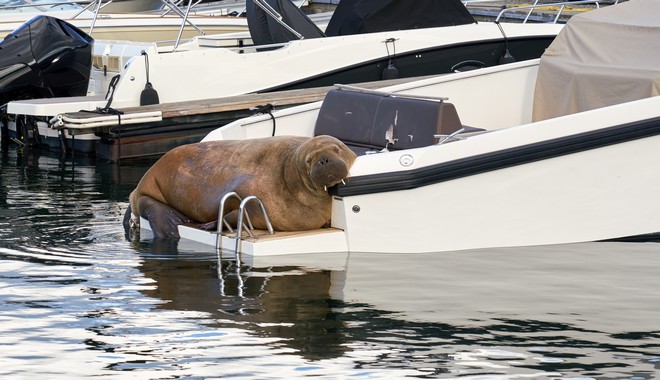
209	67
117	22
558	150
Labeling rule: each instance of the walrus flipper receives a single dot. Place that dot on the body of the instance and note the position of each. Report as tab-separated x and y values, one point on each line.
162	218
127	222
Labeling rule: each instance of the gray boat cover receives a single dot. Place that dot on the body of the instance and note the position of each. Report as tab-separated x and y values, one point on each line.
601	58
354	17
369	16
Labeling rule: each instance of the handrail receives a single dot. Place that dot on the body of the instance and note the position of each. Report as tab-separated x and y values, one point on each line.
183	25
95	6
347	87
99	6
221	219
176	9
172	6
239	227
221	213
537	5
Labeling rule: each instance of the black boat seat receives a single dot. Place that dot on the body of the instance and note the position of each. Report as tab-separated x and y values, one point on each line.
364	121
265	30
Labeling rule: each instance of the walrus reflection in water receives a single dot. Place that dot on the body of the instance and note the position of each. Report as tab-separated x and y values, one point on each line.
290	174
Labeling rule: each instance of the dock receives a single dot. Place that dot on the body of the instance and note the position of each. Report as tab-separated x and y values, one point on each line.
155	129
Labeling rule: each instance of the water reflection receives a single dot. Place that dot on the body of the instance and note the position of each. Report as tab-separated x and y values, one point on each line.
286	303
75	292
562	309
47	203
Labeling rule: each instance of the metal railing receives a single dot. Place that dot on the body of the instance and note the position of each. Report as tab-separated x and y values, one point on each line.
243	218
537	6
96	6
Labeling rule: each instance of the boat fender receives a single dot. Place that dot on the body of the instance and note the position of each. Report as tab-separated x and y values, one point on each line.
149	95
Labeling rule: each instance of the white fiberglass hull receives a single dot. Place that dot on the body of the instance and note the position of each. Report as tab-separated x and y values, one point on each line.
204	69
582	177
591	195
137	27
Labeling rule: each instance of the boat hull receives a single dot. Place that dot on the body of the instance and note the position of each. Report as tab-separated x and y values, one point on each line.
589	195
508	192
465	161
595	194
582	177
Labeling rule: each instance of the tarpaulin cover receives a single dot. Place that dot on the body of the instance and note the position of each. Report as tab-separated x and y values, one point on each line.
602	57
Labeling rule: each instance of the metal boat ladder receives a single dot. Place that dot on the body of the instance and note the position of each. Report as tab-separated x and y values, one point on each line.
243	218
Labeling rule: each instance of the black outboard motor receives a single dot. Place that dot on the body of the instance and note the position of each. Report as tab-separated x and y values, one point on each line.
45	57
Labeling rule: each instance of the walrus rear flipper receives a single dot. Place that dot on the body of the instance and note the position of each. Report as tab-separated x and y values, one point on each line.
127	223
162	218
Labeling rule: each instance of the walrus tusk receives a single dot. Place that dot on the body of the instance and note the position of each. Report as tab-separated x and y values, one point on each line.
325	188
343	182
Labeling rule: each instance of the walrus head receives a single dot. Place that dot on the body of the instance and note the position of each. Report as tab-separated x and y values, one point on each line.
328	161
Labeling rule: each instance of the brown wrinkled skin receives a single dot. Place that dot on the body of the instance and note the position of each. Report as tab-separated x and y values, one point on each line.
288	173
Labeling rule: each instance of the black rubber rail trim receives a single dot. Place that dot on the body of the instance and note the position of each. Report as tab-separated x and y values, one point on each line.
464	167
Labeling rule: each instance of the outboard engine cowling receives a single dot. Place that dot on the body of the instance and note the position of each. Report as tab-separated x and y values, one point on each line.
45	57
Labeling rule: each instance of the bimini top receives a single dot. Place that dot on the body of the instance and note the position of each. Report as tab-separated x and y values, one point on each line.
600	58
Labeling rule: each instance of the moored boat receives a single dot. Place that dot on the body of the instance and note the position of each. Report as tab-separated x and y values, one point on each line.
215	67
546	151
105	21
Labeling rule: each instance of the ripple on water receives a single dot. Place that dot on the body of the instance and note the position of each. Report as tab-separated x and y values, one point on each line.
78	300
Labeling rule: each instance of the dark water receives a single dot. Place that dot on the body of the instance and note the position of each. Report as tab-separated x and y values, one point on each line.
78	300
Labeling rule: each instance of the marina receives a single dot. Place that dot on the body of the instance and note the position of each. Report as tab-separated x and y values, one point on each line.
452	41
446	137
488	229
77	300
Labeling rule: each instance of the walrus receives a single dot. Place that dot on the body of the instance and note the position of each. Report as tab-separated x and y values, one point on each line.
289	174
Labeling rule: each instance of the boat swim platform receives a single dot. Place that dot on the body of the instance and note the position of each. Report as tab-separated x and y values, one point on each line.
327	240
152	130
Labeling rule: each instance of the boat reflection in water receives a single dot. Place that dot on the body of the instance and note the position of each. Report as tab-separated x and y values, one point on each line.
79	300
565	310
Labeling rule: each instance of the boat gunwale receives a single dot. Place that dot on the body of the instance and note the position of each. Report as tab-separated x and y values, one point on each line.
496	160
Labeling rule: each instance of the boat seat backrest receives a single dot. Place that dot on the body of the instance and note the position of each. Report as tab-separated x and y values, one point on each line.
265	30
362	120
